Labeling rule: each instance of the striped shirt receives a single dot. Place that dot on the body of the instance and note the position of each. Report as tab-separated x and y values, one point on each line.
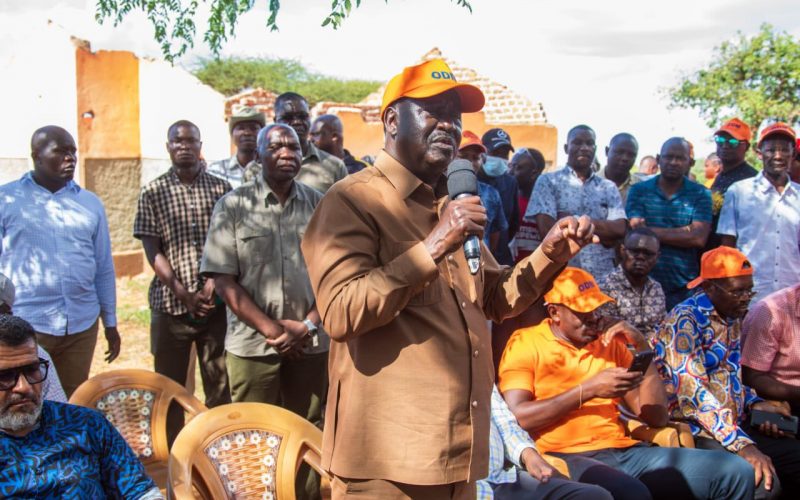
771	332
180	216
676	266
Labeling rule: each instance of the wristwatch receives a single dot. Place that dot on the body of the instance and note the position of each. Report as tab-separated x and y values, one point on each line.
312	331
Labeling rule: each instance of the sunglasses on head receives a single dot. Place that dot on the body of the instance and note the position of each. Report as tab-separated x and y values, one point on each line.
731	141
34	373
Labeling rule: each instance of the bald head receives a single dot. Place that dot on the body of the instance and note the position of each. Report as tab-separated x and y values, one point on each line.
674	159
54	157
623	137
675	142
327	133
44	135
621	153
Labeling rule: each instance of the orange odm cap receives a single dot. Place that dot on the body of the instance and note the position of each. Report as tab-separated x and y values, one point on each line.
576	289
778	128
722	262
737	129
428	79
470	139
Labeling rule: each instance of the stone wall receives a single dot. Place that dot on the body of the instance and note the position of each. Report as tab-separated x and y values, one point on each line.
117	183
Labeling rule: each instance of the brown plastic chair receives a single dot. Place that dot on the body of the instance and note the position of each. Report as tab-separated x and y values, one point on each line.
136	402
243	450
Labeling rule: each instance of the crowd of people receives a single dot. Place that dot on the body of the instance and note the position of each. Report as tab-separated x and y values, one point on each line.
339	289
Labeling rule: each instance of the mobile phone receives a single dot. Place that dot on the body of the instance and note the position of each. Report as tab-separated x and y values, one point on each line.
641	361
786	424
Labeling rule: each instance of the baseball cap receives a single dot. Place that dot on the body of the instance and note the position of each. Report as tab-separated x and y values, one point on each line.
470	138
576	289
495	138
7	291
777	128
737	129
246	114
722	262
429	79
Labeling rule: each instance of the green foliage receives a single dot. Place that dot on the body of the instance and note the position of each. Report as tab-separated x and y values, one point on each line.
175	29
753	78
234	74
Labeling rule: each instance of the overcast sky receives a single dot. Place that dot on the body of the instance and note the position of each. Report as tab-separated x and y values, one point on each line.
600	63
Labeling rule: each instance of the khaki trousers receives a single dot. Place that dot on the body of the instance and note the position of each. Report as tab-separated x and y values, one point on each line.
72	355
342	488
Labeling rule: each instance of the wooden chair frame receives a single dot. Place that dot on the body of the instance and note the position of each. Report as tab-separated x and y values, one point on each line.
190	467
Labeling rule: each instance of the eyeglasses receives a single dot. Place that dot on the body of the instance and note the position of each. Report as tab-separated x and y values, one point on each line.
738	295
732	142
35	373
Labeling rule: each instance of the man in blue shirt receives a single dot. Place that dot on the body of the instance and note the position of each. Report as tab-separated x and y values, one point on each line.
494	172
679	212
56	450
55	247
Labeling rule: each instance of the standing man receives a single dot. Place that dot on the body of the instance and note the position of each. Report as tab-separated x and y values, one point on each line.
679	213
733	140
494	172
761	215
56	249
327	134
576	190
527	165
320	169
711	169
648	165
620	156
243	126
699	356
410	347
276	351
638	298
172	221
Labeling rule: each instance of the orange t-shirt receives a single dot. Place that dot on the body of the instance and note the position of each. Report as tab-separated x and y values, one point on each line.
535	360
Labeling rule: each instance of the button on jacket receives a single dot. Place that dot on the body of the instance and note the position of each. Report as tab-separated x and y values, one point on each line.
410	363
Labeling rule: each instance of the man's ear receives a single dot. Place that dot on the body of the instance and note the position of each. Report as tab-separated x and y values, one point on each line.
390	121
565	148
606	151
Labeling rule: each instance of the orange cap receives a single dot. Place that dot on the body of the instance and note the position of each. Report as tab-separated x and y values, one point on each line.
576	289
737	129
469	139
778	128
428	79
722	262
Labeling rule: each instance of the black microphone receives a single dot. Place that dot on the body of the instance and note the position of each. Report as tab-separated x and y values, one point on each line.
462	182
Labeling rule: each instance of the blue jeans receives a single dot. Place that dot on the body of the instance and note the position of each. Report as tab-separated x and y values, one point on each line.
528	488
643	472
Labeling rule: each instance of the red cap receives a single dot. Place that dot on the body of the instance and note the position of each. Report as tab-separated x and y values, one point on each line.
469	139
722	262
737	129
778	128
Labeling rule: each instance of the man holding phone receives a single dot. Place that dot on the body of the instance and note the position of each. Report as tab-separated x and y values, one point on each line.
699	356
564	378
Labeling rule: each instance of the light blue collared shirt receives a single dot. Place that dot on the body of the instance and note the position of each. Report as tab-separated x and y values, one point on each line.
56	249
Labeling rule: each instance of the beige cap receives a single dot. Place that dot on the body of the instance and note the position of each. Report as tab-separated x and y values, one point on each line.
246	114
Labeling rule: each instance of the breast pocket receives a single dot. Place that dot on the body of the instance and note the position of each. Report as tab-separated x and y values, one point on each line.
256	246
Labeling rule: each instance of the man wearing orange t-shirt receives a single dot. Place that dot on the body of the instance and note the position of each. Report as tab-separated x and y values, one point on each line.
563	380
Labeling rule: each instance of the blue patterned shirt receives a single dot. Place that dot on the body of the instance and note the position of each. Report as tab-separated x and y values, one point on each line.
676	266
699	358
56	249
73	453
507	441
495	218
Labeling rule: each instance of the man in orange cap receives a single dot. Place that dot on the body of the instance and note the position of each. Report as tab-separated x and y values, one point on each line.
699	353
410	361
732	140
474	151
761	215
564	378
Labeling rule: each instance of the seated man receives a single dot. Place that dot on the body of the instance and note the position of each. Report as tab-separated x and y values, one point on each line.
770	357
699	354
509	443
56	450
638	298
563	379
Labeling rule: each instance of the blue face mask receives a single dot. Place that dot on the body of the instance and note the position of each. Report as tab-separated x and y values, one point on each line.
495	167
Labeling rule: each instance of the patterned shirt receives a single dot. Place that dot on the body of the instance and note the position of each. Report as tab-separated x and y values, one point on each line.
625	186
562	192
643	309
527	238
56	249
253	237
771	332
179	215
676	266
230	170
699	359
766	225
495	219
507	441
74	452
320	170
